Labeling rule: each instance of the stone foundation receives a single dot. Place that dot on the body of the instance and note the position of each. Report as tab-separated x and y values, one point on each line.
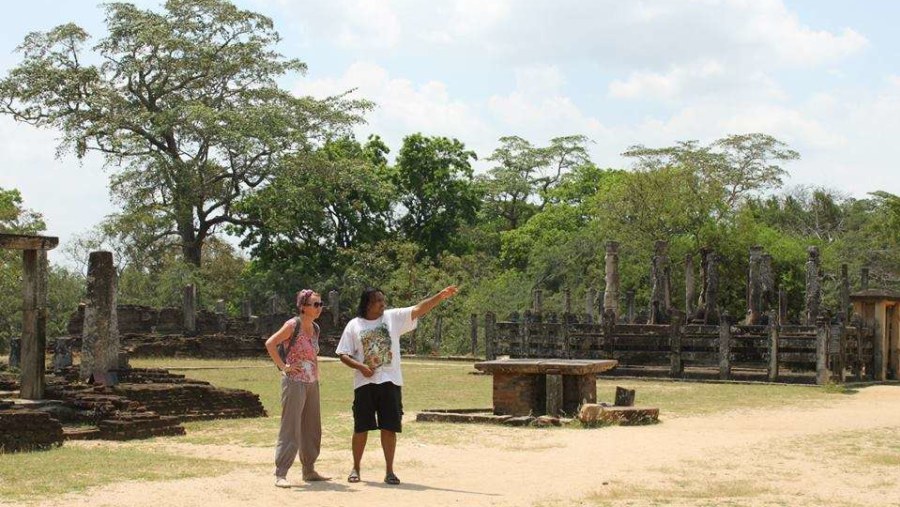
27	430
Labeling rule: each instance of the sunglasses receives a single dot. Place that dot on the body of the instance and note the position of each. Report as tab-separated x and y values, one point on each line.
317	304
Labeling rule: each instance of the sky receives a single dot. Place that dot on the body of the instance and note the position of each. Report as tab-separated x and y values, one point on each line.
823	76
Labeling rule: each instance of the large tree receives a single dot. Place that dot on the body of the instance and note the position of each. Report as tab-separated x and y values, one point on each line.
433	178
182	103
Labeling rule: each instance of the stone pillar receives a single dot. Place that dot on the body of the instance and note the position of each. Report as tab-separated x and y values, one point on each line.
438	338
537	300
813	286
15	352
725	347
704	280
611	292
554	394
567	301
845	294
334	304
754	286
864	278
782	307
590	297
767	281
274	304
246	310
490	335
62	354
221	317
100	335
660	276
690	290
34	325
822	338
774	338
189	308
629	306
710	294
676	369
473	327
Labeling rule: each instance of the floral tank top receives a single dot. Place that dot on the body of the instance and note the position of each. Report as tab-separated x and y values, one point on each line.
304	353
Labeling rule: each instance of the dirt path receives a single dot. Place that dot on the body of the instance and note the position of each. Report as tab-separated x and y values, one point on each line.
786	456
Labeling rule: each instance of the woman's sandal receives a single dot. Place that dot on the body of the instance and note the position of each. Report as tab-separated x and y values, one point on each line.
391	479
354	476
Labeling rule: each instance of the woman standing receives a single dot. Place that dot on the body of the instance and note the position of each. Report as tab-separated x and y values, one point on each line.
294	348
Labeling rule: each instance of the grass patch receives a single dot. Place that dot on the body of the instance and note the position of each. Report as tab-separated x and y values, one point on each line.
32	476
695	398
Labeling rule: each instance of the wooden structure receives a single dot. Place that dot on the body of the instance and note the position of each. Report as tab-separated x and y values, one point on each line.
543	386
881	308
34	308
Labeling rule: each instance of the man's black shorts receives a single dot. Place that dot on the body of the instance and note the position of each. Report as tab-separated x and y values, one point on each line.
382	400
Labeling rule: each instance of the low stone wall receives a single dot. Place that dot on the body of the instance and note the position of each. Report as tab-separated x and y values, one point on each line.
28	430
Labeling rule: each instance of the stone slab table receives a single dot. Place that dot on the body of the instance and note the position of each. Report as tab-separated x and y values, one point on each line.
544	386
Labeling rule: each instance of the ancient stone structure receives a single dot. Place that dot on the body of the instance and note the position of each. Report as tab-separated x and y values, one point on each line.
660	277
100	336
15	352
611	292
27	430
813	286
690	291
711	344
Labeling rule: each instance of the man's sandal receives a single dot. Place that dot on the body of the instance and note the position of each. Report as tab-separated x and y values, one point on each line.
354	476
391	479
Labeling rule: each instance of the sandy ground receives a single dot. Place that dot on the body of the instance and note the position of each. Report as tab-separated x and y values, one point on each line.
761	457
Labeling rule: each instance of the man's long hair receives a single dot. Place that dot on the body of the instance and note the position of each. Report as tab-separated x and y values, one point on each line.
365	299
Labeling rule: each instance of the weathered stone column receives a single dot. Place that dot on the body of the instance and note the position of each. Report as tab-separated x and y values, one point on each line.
334	304
34	324
782	306
15	352
62	354
754	286
823	375
275	304
690	290
189	308
490	335
725	347
473	327
629	306
611	292
590	298
774	338
676	368
813	286
221	317
100	335
704	282
711	298
438	333
767	281
567	301
246	310
845	294
864	278
537	300
660	276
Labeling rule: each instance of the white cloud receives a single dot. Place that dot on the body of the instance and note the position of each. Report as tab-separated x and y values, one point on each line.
403	107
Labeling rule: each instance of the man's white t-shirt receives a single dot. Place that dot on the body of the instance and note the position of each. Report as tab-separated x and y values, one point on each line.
376	343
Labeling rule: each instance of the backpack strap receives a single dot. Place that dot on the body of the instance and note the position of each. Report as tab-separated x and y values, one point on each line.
294	334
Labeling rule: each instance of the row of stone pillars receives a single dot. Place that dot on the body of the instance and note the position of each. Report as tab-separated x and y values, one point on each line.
704	308
276	305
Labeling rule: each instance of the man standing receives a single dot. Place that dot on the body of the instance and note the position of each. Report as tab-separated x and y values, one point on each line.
371	345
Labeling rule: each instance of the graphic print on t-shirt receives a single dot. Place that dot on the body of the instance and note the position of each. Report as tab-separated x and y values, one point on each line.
376	345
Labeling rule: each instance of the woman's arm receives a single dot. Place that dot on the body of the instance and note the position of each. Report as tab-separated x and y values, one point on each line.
427	305
272	345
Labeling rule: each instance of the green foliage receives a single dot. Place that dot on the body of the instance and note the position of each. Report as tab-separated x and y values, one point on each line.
184	105
433	179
